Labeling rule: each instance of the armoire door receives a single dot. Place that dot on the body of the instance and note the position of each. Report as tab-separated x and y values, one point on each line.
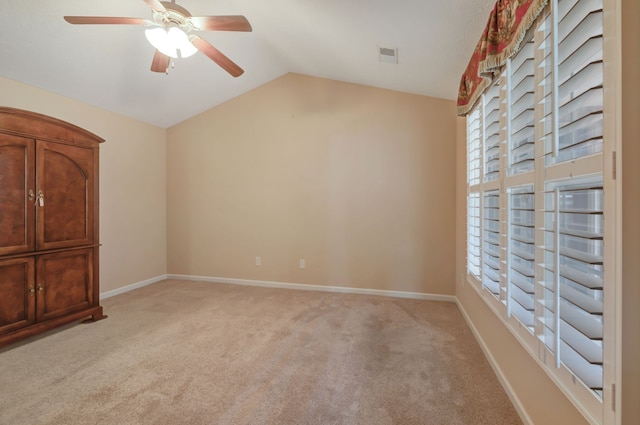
17	197
64	283
65	195
17	294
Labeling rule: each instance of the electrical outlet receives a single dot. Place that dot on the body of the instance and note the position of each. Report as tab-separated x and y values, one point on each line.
303	263
258	261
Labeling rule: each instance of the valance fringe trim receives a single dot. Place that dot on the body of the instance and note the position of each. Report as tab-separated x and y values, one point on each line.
506	28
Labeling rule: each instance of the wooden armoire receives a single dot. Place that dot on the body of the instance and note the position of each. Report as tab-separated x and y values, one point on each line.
49	271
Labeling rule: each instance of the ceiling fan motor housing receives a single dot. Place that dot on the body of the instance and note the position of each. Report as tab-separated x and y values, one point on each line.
175	15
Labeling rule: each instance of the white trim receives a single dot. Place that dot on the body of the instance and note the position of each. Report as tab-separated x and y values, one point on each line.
613	131
496	369
132	286
320	288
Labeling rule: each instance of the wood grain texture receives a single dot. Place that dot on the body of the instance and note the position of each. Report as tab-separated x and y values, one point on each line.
222	23
38	126
156	5
101	20
65	176
17	303
216	55
160	62
17	178
49	272
64	283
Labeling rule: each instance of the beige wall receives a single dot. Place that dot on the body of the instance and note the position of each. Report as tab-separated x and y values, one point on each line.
631	211
132	183
357	181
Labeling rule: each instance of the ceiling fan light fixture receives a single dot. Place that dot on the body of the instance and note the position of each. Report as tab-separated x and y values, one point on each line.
171	33
170	42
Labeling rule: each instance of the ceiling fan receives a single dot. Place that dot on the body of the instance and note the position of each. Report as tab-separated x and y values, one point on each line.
171	37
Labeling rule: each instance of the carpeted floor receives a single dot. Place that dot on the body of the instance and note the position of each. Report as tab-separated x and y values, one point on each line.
179	352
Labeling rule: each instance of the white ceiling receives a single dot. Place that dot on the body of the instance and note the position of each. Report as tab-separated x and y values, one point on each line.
108	65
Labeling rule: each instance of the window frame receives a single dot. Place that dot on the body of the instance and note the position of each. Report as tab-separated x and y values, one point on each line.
596	410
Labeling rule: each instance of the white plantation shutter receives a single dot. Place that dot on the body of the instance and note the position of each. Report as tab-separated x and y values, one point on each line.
491	241
579	80
491	126
473	147
491	198
483	166
536	205
521	129
520	145
571	275
521	254
474	238
473	234
574	281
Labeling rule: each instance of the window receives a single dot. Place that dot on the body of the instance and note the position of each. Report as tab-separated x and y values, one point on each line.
538	212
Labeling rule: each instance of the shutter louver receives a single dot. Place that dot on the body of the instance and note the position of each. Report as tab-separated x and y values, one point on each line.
491	241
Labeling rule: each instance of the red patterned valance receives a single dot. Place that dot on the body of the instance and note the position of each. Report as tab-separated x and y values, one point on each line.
505	30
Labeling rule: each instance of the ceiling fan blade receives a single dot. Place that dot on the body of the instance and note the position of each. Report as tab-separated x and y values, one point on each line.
104	20
221	23
216	55
160	62
155	5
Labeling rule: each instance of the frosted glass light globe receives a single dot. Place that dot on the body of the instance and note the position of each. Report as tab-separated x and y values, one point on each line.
170	42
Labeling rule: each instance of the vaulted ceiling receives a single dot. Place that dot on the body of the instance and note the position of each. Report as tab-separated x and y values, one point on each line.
108	65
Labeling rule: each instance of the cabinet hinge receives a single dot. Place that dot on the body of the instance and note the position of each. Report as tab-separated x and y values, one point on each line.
614	168
613	397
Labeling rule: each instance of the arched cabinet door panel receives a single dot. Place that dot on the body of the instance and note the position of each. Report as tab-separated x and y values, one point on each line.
65	181
17	195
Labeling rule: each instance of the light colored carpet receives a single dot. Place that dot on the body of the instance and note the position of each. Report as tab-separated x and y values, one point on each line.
179	352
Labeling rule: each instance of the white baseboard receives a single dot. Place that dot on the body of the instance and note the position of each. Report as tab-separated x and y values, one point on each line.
132	287
515	400
320	288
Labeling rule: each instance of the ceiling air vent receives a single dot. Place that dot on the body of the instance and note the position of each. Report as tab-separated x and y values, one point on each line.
388	55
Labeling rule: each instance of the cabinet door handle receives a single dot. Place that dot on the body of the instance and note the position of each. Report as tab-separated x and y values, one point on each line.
40	288
32	196
32	291
40	198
